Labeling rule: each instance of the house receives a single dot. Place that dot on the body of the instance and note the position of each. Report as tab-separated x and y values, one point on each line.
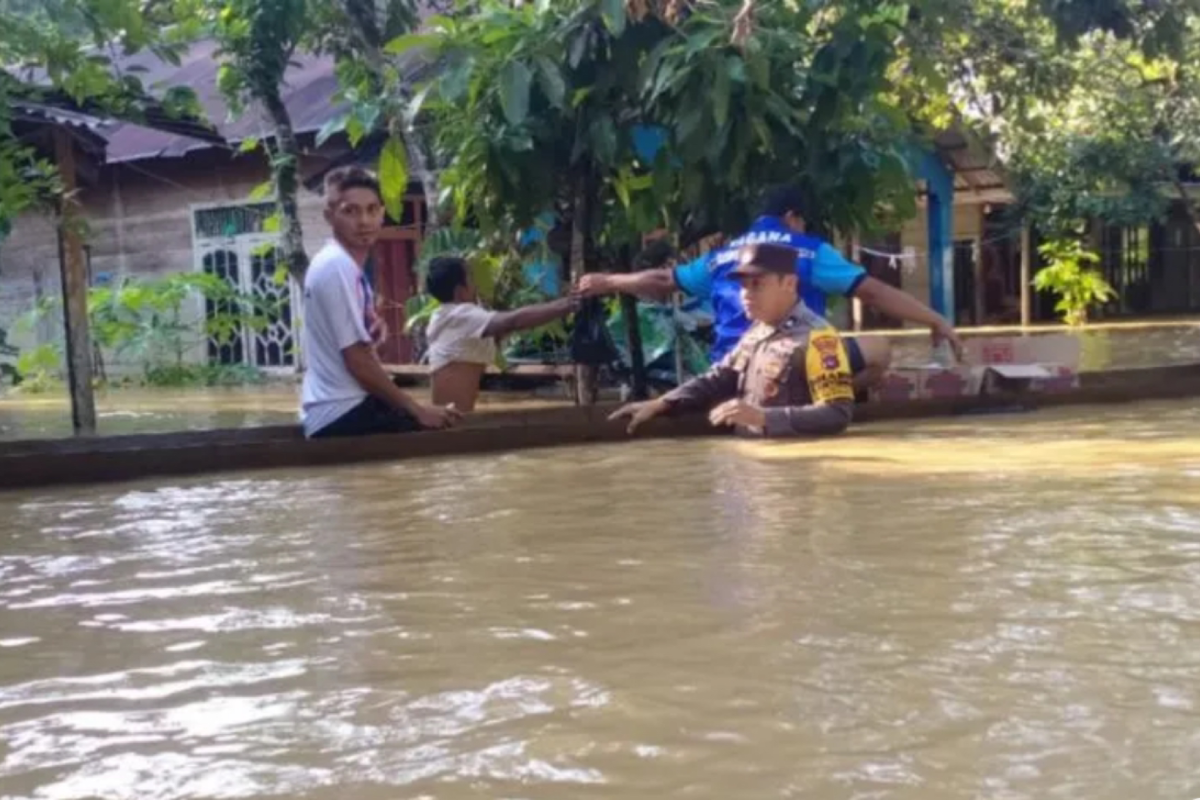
165	202
962	252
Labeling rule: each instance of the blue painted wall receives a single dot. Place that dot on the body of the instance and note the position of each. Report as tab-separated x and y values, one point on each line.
940	231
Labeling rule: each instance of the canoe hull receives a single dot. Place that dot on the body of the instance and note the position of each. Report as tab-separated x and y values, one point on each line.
85	460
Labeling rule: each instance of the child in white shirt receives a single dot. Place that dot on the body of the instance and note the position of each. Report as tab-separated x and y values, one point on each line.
462	334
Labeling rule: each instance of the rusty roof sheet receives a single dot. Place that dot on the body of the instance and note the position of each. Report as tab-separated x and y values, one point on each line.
308	92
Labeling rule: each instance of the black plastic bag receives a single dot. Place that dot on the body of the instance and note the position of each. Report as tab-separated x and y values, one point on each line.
591	344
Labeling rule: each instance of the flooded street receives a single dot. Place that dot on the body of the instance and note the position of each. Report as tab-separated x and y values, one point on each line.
990	607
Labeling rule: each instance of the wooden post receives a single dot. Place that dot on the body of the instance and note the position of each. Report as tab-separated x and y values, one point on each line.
639	385
677	306
74	292
1026	276
585	374
979	302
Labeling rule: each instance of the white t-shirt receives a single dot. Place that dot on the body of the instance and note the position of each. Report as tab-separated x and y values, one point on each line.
336	296
455	333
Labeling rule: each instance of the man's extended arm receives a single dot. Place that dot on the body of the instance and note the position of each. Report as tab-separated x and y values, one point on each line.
362	363
651	284
834	274
505	322
901	305
810	420
704	391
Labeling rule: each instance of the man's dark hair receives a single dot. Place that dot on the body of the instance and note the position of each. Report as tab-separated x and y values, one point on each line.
446	274
345	178
779	200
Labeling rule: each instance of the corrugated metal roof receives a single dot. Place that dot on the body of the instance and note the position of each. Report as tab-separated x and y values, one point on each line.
308	95
975	167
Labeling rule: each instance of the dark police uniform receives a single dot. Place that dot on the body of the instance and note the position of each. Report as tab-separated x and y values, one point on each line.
797	371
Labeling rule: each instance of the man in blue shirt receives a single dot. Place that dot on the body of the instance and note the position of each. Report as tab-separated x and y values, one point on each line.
822	271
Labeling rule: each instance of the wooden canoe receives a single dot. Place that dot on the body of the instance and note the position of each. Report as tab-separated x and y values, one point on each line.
83	460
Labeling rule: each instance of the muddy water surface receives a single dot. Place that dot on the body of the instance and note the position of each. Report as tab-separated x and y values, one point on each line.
994	607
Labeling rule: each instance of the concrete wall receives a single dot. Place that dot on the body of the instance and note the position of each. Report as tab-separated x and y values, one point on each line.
968	224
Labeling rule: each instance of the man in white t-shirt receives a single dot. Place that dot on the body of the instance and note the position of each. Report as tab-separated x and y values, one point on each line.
346	391
462	334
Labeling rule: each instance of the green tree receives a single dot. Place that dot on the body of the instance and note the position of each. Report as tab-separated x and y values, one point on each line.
73	47
1092	106
259	39
536	108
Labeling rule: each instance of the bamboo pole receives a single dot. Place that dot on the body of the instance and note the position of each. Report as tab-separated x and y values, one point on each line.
74	292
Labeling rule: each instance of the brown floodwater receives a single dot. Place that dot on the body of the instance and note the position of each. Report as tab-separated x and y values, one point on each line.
990	607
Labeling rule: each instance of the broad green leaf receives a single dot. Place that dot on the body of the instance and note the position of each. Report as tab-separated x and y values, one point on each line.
417	310
368	114
354	130
720	94
640	183
393	176
335	125
736	68
759	69
622	190
550	78
581	95
402	44
579	47
273	223
262	191
413	110
454	82
613	12
603	139
514	91
699	41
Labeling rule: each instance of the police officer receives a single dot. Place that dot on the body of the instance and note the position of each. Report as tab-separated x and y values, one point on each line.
789	375
822	271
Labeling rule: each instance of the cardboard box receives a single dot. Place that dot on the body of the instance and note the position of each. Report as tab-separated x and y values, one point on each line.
993	365
937	381
1062	379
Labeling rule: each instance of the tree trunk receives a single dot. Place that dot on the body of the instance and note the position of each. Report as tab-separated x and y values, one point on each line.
286	168
585	375
418	165
639	384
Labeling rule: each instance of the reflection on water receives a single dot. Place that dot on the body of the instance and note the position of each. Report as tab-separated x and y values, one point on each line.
994	607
